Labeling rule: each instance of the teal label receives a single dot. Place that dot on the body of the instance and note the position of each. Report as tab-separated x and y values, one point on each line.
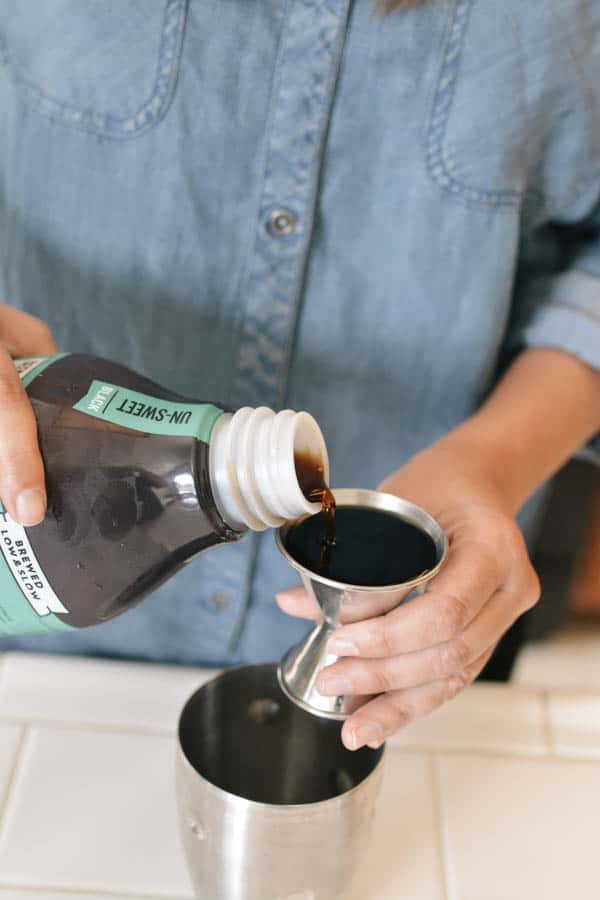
28	604
29	367
128	408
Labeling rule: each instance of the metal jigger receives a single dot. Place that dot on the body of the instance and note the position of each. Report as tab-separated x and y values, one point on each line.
343	603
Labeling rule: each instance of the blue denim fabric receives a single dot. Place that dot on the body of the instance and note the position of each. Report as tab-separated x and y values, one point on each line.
443	166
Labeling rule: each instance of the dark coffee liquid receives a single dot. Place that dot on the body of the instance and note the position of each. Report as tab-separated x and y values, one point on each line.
372	547
311	478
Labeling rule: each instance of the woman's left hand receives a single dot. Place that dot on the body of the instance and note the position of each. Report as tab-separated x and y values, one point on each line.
426	651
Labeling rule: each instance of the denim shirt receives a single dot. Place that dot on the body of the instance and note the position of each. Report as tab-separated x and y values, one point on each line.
299	203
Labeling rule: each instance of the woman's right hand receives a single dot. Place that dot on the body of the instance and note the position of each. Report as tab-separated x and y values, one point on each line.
22	483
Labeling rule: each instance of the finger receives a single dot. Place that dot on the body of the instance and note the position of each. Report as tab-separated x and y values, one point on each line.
24	335
453	599
386	714
374	676
22	486
298	602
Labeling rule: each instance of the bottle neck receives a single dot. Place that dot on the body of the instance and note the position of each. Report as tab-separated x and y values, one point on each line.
252	461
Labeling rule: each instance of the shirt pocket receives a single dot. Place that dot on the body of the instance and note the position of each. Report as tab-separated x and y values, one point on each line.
107	67
506	121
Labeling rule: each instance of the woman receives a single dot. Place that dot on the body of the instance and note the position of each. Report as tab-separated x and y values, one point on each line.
390	221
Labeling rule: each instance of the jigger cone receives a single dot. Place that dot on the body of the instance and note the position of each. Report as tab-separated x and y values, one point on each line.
299	668
343	603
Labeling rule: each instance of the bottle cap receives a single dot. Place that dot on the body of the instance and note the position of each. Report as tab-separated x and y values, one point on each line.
252	466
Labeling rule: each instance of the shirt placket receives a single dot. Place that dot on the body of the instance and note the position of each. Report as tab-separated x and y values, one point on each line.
304	84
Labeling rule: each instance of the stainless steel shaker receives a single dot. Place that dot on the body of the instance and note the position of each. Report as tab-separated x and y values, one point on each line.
271	805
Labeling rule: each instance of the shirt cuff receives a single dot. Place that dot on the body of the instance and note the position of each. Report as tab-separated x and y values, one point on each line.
563	312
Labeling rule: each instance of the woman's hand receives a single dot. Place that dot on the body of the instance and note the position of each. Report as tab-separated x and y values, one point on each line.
22	487
424	652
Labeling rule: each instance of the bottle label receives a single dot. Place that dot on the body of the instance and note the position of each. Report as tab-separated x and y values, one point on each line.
29	367
141	412
28	604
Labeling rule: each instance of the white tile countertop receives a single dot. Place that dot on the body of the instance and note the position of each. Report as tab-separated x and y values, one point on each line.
495	797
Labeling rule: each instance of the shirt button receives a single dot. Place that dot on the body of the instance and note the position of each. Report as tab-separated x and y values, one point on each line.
220	601
282	222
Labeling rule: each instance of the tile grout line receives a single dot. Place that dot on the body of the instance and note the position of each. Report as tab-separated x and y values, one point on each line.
548	735
471	750
103	727
546	751
94	893
537	752
443	853
504	753
519	751
7	799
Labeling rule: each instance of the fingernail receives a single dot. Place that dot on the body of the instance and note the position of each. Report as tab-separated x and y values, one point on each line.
375	745
342	647
334	685
30	506
350	741
367	734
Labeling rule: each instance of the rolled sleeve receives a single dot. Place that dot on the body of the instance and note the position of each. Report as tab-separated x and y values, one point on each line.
562	309
565	313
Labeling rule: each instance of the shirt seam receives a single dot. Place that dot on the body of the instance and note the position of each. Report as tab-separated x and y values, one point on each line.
255	222
106	125
312	205
438	164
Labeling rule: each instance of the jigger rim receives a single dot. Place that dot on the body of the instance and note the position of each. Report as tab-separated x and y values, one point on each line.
404	509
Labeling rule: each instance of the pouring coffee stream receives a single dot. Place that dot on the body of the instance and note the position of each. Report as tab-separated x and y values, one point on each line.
311	478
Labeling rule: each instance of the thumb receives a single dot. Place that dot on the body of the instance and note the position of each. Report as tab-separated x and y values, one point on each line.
22	486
